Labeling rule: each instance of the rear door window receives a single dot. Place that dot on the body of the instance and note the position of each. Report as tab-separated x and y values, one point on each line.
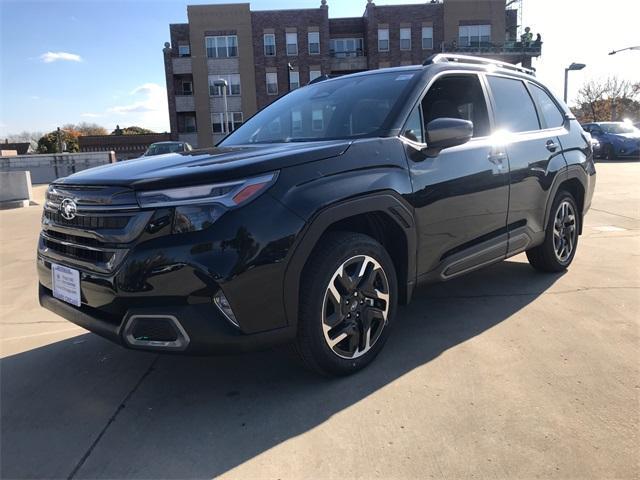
552	116
514	109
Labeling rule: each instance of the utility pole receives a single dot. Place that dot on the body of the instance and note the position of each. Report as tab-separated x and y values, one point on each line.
59	140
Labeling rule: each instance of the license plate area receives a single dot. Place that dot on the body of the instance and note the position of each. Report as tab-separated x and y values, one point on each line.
66	284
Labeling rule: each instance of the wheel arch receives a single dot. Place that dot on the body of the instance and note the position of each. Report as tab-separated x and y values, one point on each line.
383	216
573	180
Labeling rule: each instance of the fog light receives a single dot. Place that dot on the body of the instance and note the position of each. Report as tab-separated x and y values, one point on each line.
223	304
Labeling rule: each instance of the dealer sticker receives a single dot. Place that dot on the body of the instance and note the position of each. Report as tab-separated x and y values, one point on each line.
66	284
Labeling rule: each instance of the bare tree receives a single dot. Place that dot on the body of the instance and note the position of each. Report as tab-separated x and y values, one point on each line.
601	100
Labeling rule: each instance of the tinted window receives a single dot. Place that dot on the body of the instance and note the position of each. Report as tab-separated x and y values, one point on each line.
459	96
347	107
514	108
413	128
549	110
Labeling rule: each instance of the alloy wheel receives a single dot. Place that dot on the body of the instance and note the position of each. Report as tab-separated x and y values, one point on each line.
564	231
355	307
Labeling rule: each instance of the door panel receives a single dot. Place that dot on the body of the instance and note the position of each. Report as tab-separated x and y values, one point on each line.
533	169
534	151
460	195
460	199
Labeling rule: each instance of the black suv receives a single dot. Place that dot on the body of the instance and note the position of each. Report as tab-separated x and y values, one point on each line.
311	222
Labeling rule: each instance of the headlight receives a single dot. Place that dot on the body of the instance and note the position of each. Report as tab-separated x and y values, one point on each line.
197	207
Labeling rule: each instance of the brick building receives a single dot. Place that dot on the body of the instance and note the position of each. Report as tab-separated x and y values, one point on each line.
264	54
125	147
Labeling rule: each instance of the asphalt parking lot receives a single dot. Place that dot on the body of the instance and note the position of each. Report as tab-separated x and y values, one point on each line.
506	373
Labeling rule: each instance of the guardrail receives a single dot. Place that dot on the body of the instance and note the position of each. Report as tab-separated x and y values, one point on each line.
45	168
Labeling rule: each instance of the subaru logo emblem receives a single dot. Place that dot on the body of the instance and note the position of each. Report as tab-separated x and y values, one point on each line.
68	209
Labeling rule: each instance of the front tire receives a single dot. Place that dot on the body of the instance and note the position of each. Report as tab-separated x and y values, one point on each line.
348	300
561	236
609	152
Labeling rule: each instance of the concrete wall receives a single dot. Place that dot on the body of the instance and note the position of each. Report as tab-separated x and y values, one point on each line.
46	168
15	187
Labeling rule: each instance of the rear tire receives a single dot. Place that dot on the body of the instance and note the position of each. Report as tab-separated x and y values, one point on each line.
556	253
348	299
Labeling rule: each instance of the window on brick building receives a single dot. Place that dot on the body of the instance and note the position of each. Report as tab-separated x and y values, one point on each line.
272	83
347	47
223	46
233	84
217	122
294	80
189	124
184	51
427	38
292	43
269	45
187	88
314	43
474	35
405	39
383	39
313	74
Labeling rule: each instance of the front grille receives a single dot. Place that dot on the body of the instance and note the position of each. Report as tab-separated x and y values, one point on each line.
79	253
89	221
65	237
98	238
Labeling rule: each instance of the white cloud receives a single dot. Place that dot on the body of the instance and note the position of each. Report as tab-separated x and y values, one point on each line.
148	108
91	115
50	57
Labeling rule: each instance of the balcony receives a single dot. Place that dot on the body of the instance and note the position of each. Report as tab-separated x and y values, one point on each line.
533	49
185	103
181	65
348	60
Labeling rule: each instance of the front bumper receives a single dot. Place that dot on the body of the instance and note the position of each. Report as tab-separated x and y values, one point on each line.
206	330
163	275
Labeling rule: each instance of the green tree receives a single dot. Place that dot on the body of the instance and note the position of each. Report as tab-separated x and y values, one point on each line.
48	143
133	130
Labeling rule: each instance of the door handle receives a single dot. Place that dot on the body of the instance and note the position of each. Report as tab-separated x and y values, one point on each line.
551	146
497	158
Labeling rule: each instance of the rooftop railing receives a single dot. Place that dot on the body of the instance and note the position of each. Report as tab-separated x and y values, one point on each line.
523	48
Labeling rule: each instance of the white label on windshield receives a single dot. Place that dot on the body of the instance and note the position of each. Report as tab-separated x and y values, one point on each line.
405	76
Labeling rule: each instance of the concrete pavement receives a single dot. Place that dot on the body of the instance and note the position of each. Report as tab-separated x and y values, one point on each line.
506	373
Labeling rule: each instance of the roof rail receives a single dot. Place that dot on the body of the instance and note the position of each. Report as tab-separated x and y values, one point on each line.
453	57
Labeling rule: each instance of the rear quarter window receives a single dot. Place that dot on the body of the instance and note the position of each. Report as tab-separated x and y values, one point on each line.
550	112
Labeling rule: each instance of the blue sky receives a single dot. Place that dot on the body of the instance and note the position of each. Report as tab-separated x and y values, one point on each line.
115	73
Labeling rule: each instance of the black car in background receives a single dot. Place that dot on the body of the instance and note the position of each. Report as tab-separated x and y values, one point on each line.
311	222
162	148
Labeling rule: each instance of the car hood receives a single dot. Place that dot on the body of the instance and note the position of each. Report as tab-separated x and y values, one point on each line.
200	166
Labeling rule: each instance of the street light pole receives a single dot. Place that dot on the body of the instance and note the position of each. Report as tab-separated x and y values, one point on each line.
573	66
637	47
222	83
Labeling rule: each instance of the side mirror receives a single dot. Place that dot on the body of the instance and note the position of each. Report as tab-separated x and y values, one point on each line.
447	132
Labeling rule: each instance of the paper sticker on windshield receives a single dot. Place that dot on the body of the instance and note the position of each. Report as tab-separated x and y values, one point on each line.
405	76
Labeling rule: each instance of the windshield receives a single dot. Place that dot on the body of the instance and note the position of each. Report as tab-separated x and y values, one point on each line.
162	148
349	107
619	128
